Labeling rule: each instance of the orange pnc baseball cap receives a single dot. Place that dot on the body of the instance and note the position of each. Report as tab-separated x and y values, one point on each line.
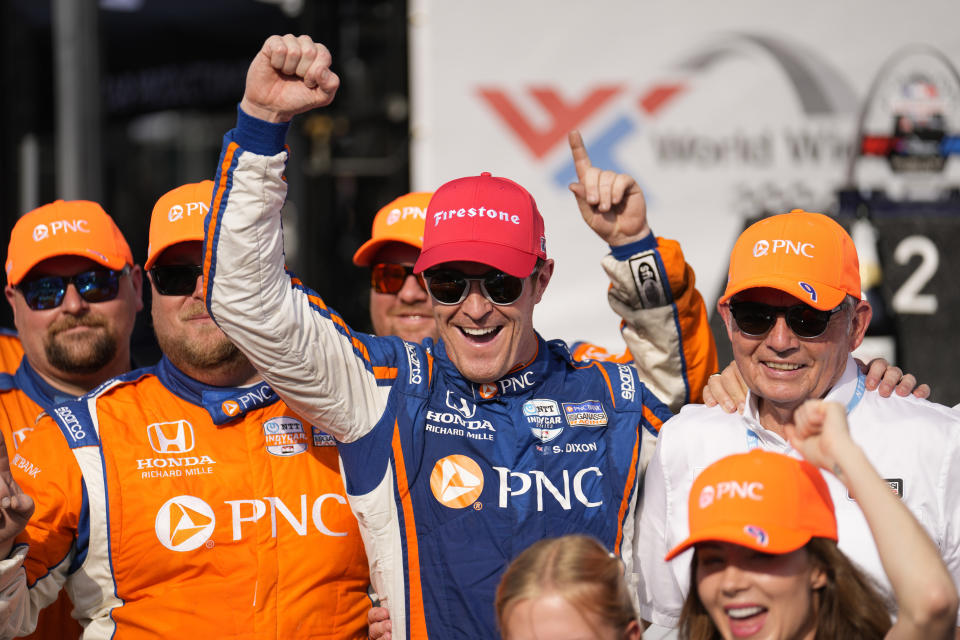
807	255
402	220
760	500
178	217
65	228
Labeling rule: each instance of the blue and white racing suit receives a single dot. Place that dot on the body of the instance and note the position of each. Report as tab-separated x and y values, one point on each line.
449	479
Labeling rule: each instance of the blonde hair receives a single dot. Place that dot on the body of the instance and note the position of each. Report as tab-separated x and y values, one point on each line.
576	567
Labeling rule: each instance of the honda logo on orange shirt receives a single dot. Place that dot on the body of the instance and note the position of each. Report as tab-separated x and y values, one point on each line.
171	437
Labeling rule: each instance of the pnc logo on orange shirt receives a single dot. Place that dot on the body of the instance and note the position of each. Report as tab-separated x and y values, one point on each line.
230	407
456	481
184	523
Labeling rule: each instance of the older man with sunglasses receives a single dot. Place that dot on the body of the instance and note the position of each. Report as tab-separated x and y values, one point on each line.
183	500
75	292
794	312
457	453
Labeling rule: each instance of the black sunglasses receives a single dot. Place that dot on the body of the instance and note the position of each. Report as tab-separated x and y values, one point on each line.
176	279
95	285
388	277
450	287
756	319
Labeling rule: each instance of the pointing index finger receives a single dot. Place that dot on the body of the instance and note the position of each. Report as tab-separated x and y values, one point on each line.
581	159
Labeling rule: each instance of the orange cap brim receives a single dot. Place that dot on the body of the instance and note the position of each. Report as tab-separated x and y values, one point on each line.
777	540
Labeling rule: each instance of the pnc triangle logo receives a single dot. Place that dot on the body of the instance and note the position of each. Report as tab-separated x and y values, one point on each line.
184	523
456	481
230	407
487	390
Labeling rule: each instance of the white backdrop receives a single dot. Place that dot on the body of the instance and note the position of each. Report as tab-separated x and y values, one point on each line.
719	109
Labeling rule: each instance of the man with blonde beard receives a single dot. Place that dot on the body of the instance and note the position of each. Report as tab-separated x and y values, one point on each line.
180	500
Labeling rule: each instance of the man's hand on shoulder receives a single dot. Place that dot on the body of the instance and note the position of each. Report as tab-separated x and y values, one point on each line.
290	75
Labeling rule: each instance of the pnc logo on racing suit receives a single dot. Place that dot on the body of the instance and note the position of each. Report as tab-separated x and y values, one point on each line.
230	407
487	390
185	523
456	481
561	494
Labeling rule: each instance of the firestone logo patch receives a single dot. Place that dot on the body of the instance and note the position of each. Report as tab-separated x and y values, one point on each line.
456	481
472	212
184	523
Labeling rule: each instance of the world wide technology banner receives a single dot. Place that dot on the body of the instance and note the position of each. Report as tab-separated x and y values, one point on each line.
722	111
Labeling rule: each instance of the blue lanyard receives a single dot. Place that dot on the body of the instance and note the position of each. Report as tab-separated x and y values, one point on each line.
753	441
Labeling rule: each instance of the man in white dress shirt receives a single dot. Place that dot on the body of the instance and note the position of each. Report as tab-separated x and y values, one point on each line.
793	311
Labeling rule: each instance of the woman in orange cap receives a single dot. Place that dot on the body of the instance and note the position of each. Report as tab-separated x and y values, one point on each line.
566	588
766	563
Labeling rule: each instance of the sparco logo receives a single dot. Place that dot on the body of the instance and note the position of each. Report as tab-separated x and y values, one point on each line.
627	387
43	231
184	523
71	423
416	375
517	483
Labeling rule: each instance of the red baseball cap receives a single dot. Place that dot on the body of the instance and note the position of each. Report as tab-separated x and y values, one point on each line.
760	500
65	228
485	219
401	220
807	255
